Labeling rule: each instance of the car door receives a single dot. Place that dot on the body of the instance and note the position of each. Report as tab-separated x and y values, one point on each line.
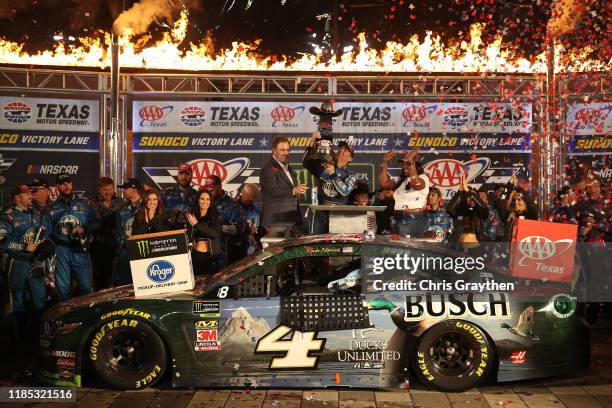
282	325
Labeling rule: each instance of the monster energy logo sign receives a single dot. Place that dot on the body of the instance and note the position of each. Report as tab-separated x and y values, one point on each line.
143	248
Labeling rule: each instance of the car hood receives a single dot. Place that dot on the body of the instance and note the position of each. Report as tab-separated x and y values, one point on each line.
119	293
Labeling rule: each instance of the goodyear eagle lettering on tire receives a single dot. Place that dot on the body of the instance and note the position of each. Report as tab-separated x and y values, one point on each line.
453	355
95	342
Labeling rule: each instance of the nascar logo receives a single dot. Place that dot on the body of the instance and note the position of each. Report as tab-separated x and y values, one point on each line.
51	169
193	116
17	112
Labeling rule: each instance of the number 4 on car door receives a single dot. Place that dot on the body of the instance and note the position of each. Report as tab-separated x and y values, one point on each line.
297	348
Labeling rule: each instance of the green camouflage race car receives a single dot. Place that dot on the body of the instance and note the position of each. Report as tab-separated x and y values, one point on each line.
312	312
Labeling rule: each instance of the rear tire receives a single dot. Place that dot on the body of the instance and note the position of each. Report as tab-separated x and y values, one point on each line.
127	354
453	356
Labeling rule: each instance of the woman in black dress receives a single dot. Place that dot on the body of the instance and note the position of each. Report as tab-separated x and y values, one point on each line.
205	232
152	217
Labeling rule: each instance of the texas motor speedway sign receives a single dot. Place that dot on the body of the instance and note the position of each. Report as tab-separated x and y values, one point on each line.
233	139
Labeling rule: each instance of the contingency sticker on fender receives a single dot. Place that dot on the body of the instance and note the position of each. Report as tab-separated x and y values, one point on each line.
103	331
206	309
207	335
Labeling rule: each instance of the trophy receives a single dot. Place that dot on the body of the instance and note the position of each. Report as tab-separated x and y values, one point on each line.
322	152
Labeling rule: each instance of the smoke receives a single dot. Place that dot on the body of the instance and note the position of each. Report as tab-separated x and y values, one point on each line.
8	8
565	15
140	16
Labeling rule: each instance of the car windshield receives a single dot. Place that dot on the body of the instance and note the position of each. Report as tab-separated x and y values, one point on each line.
239	266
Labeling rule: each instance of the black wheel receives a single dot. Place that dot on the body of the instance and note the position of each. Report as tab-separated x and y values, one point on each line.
127	354
453	355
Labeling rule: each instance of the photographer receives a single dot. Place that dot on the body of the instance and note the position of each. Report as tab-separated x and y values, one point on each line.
469	215
517	206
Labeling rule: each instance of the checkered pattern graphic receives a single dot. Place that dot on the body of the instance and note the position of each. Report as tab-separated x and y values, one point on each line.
164	177
324	312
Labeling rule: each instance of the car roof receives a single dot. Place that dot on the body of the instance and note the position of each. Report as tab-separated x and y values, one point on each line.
210	282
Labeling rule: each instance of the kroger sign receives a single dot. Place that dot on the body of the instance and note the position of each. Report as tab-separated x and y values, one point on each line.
160	271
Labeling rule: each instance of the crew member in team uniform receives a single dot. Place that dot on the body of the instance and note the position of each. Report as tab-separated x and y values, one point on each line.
132	192
70	221
40	195
18	229
180	198
103	248
246	241
231	223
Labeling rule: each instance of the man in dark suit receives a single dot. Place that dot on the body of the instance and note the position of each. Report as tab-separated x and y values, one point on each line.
280	191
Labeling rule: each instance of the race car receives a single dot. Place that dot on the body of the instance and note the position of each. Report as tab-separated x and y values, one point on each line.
274	320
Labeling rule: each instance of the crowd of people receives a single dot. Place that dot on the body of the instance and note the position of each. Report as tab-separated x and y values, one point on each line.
88	237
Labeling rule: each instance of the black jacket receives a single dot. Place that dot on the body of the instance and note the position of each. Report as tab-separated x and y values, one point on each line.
208	227
504	213
159	223
280	206
477	216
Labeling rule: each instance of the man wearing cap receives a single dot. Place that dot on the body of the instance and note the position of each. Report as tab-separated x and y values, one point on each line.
409	193
280	191
246	241
19	226
40	195
70	220
439	224
231	223
104	248
335	182
132	193
180	198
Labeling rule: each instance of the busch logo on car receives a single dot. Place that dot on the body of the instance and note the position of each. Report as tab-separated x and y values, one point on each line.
160	271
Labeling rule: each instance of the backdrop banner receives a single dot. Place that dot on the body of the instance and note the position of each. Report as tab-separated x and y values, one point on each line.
42	137
233	139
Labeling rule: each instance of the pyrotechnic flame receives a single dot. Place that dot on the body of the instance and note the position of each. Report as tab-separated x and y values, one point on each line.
428	55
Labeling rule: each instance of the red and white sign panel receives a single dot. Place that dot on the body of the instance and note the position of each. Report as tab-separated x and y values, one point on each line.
543	250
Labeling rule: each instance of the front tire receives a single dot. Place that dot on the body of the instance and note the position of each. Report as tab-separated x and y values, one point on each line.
453	356
127	354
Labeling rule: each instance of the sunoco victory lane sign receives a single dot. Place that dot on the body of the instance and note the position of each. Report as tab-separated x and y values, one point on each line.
160	263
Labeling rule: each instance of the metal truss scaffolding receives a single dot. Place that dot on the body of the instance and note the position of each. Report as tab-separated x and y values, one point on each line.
287	86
